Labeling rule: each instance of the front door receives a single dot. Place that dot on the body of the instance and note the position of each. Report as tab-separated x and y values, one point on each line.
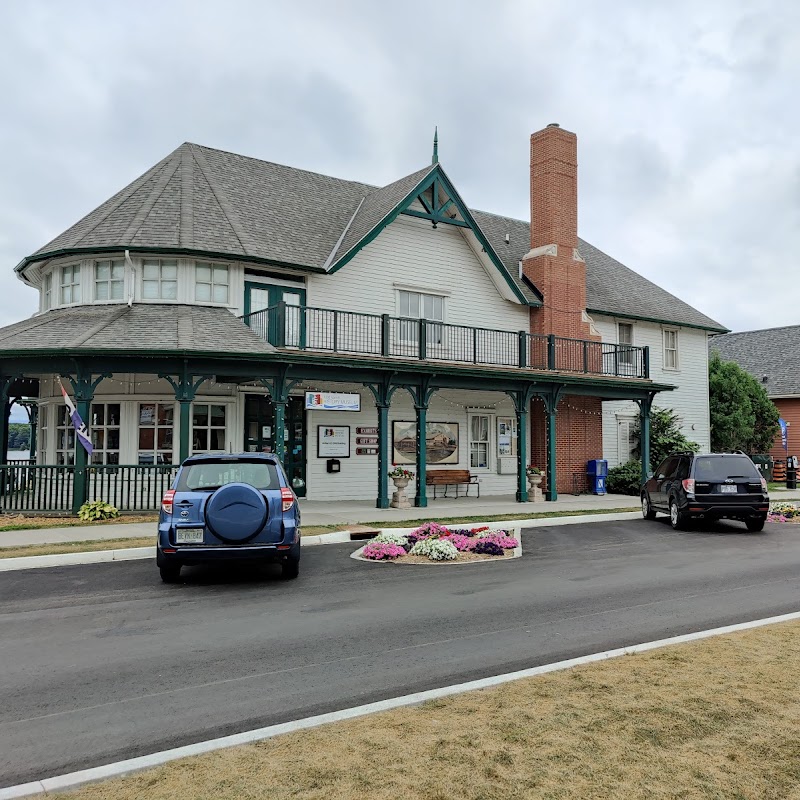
261	297
259	435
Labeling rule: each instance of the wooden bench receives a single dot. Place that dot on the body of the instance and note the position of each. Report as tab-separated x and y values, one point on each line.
454	478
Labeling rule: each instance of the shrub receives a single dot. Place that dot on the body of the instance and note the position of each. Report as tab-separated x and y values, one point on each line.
625	479
382	551
97	509
435	550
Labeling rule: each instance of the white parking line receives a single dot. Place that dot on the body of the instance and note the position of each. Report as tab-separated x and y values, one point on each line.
74	779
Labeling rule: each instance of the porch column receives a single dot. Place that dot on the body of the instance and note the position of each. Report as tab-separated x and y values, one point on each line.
522	401
32	409
6	424
5	411
83	388
551	406
185	387
422	397
279	387
645	406
382	392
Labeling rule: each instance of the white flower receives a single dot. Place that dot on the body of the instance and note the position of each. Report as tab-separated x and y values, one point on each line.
391	538
435	550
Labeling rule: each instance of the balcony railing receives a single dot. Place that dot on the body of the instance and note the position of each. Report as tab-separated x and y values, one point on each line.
333	331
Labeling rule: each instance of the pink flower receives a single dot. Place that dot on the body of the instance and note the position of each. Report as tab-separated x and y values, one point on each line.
382	551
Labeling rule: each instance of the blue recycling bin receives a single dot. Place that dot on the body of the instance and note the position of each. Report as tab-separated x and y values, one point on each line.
597	472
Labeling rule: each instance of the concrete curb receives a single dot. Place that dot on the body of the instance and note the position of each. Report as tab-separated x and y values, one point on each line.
337	537
74	779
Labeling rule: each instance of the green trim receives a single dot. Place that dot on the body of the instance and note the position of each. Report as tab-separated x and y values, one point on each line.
656	320
436	175
273	289
173	251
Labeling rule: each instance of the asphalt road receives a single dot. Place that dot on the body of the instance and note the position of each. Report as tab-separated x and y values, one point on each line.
103	662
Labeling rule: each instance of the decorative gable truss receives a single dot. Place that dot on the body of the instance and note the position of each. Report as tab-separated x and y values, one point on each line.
434	198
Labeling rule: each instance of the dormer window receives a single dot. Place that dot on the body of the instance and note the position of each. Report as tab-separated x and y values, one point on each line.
109	279
211	282
160	279
70	284
47	291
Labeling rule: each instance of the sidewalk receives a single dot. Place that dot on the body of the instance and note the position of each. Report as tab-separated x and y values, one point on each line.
350	512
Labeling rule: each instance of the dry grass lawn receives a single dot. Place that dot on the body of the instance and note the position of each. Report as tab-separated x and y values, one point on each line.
21	522
76	547
714	719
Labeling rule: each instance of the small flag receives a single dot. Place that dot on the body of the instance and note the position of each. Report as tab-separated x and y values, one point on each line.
782	423
81	430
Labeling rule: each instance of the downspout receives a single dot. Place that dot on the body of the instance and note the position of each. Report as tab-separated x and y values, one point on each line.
129	262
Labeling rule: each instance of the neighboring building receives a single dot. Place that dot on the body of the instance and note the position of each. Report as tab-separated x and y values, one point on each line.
193	310
772	357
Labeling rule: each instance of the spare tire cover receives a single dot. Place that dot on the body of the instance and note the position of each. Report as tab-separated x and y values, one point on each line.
236	512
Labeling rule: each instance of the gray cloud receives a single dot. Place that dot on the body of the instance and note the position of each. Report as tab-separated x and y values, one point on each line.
689	166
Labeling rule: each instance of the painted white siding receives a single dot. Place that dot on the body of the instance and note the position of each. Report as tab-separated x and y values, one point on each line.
689	400
411	254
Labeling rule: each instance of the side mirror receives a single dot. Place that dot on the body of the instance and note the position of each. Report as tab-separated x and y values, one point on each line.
649	475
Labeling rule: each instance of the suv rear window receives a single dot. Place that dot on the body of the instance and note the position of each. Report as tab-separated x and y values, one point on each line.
719	468
209	475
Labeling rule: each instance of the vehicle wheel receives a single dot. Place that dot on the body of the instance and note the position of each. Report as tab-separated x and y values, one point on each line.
290	569
647	509
170	573
676	518
755	525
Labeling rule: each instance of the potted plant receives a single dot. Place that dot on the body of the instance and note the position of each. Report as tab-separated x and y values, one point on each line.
400	477
534	476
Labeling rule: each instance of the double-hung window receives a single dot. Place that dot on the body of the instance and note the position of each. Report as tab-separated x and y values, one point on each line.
670	348
211	282
625	340
208	428
418	305
70	284
47	291
109	279
160	279
479	441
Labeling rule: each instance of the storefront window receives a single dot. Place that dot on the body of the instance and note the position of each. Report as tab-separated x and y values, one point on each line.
104	428
65	437
156	425
208	428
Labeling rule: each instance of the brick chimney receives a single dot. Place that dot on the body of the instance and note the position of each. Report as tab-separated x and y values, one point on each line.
553	263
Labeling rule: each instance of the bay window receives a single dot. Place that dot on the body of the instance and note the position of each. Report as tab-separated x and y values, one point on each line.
70	284
160	279
109	279
211	282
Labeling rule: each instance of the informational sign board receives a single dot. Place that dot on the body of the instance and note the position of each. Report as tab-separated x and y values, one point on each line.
333	441
367	440
366	451
333	401
366	431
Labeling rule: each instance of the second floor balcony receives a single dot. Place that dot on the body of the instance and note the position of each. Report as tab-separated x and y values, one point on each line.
325	330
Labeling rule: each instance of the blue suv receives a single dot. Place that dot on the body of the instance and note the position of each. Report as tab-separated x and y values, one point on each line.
228	507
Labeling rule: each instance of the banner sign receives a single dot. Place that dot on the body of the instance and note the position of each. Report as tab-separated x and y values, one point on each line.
81	431
333	401
782	423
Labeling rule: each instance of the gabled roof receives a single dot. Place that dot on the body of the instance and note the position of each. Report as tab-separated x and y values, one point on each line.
205	201
141	328
771	352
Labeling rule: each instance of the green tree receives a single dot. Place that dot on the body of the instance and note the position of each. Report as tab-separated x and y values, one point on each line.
19	436
665	436
742	415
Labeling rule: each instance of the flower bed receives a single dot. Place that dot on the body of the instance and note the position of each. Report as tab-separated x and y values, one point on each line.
783	512
432	542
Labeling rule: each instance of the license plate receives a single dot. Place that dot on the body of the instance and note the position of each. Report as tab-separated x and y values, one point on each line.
189	536
729	489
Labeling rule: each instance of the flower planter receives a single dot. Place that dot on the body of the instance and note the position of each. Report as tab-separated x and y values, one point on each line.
399	499
534	488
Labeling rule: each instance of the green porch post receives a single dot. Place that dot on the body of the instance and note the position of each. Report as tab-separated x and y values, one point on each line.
422	397
6	424
280	428
32	409
382	392
551	407
5	411
645	406
279	387
83	387
185	387
522	401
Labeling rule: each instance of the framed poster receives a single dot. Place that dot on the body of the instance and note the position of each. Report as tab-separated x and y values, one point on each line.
441	439
333	441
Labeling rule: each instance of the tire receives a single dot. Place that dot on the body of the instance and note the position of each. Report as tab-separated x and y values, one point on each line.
290	569
170	573
647	509
676	517
755	525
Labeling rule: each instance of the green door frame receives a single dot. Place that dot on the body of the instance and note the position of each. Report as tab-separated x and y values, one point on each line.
276	292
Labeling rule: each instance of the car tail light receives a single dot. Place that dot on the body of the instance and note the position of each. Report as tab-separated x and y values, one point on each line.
166	503
764	486
688	485
287	498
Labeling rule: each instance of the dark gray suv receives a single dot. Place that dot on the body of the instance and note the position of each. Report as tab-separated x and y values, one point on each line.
710	486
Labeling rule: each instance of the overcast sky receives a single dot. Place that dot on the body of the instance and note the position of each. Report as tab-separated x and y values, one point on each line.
686	115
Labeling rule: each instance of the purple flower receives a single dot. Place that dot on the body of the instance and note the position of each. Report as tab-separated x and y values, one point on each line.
487	548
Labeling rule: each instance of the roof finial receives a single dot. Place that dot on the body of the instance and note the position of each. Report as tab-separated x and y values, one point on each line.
435	157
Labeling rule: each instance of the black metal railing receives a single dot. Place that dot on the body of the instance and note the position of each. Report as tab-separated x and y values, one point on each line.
49	488
348	332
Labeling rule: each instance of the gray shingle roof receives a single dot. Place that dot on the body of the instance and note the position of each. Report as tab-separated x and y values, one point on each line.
142	328
774	352
201	199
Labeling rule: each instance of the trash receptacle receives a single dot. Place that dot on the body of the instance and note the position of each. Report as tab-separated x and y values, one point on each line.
597	472
791	472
